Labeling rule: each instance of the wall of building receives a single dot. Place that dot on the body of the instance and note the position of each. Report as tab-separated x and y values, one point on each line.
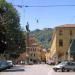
53	46
62	51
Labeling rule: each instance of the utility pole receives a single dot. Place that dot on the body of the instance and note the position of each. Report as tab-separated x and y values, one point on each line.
27	40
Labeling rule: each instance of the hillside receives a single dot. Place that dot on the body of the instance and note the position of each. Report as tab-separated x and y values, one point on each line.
43	36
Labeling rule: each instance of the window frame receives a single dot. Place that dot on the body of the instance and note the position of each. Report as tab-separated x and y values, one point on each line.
60	42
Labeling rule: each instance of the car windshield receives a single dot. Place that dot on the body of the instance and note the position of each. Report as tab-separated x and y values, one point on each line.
62	63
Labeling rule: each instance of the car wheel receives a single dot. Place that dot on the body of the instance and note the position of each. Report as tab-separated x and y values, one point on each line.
55	69
68	70
74	70
63	69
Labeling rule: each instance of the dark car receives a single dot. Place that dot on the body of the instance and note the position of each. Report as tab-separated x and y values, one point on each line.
3	65
30	63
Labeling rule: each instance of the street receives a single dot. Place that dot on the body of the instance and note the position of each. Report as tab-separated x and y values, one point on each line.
40	69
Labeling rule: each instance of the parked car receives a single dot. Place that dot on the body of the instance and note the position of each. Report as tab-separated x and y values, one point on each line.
50	62
30	63
3	65
65	66
10	63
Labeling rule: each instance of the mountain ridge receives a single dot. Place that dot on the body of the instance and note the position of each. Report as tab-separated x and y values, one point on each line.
43	36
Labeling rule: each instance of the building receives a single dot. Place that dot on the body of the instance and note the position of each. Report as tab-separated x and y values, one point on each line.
71	51
43	55
35	51
62	41
48	56
21	59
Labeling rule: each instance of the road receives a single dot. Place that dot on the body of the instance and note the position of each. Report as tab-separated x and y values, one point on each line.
41	69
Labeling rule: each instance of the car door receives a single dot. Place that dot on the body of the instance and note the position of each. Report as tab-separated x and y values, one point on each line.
68	65
73	65
0	66
4	64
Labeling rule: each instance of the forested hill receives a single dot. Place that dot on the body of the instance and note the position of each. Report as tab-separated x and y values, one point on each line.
43	36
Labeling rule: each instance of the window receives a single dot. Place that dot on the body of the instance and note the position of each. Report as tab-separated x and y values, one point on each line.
30	59
60	42
60	32
34	55
40	50
34	49
70	41
31	49
70	32
31	54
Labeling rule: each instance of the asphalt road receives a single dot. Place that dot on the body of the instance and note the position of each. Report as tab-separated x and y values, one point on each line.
41	69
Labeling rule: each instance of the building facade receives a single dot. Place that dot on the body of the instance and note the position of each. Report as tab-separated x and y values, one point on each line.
43	55
48	55
35	51
61	42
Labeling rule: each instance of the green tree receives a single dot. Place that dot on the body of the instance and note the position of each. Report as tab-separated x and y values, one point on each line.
9	20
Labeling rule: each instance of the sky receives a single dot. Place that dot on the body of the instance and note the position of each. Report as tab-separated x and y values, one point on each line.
48	17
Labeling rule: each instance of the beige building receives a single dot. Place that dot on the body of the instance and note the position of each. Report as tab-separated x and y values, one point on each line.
43	55
61	42
35	51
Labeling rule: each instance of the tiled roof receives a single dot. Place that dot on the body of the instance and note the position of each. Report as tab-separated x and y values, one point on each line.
67	25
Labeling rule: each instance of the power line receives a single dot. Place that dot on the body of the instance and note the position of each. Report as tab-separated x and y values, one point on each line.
44	6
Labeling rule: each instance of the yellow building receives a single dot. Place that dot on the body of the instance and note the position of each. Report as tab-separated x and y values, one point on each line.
48	55
61	41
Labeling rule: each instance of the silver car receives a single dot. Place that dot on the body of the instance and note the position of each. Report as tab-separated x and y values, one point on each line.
65	66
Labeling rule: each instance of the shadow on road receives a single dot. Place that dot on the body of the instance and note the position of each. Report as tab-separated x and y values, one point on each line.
15	69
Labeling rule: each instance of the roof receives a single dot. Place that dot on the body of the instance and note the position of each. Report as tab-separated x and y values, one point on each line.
72	47
67	25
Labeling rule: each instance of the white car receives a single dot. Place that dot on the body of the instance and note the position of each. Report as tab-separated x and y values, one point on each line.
50	62
65	66
10	63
